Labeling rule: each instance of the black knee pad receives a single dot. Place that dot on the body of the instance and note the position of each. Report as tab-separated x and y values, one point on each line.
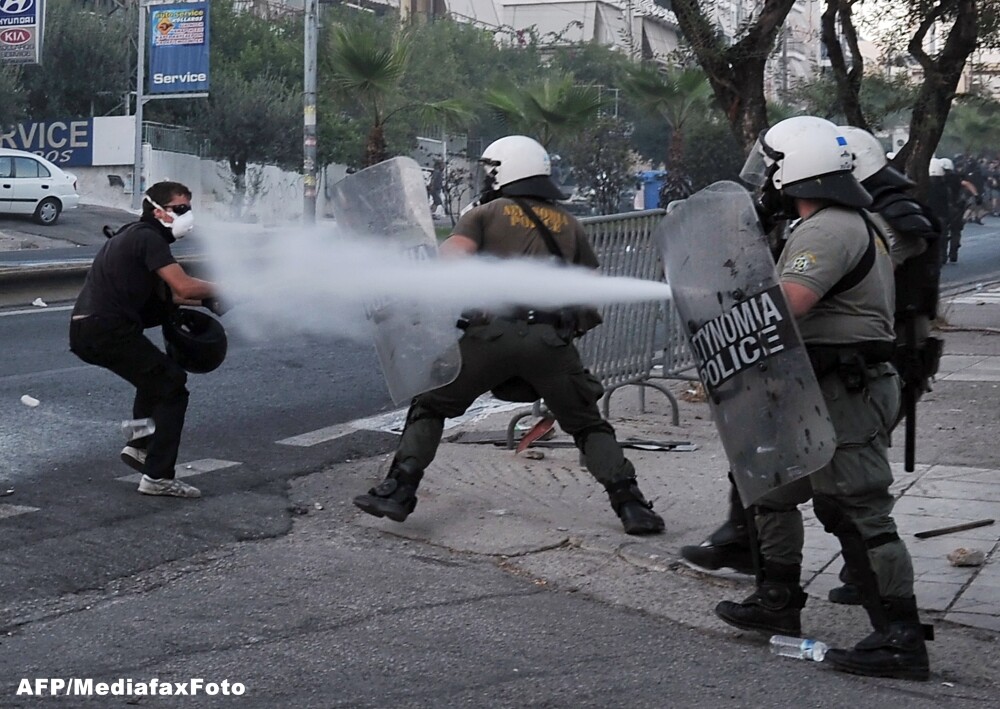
581	436
833	518
420	410
855	551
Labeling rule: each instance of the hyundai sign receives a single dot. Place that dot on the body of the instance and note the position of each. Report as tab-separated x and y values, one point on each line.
21	23
178	48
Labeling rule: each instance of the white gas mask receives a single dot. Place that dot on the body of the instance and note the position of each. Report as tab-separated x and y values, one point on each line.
183	221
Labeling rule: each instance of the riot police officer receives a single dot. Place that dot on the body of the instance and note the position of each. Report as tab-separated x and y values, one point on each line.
913	230
135	283
523	349
836	273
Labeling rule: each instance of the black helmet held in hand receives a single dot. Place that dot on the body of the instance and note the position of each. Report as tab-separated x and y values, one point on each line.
196	341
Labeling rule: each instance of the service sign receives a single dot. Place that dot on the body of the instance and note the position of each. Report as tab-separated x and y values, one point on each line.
63	142
21	24
178	48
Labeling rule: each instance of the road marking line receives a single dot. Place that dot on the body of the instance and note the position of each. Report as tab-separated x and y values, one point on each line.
26	311
14	510
393	421
187	470
990	298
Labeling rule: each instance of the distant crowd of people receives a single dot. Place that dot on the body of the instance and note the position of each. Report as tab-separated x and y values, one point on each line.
963	191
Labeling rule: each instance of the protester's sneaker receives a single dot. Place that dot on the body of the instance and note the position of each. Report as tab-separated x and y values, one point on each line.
163	486
134	458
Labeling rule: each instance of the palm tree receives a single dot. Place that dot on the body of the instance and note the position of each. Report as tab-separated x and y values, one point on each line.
679	95
363	66
550	110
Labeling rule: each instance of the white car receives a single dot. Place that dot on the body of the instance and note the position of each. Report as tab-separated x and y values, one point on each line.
30	184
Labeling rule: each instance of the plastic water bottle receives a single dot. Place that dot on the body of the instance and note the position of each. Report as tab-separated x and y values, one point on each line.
138	428
799	648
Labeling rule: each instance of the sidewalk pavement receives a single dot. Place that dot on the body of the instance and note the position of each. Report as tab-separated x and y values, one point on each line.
530	511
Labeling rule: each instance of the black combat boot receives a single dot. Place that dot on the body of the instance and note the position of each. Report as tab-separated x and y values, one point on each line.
775	607
728	546
849	594
395	497
635	512
898	651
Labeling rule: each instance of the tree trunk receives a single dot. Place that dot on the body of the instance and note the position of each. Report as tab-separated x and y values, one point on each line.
238	166
736	73
375	149
941	77
848	81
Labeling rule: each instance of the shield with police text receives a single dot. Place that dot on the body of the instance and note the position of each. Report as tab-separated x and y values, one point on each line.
416	342
764	396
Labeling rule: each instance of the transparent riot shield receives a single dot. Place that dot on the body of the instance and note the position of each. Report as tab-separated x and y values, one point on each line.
765	400
417	344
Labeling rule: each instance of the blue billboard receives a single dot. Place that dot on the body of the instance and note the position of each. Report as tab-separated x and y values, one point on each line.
63	142
178	48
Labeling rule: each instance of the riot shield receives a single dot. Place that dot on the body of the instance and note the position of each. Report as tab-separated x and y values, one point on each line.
417	344
764	397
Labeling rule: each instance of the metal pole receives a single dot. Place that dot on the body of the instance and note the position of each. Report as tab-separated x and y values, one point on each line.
140	80
309	114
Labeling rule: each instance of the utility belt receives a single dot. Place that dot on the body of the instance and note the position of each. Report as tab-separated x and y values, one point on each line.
557	319
850	362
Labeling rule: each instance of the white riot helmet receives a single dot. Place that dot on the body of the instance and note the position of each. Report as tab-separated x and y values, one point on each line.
805	157
935	168
518	166
947	165
869	155
871	166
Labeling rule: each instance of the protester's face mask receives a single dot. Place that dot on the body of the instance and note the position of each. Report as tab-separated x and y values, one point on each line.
183	221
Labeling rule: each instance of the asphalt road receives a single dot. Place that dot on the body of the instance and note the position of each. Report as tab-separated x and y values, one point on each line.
62	456
76	227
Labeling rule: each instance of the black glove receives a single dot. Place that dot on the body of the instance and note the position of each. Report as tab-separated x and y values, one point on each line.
215	305
979	200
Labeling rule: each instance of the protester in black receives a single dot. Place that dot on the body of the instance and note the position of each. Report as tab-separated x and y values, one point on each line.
135	283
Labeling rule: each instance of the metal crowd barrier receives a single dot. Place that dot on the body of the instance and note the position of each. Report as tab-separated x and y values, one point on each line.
637	342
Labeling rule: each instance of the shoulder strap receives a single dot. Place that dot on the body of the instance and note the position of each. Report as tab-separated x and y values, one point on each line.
110	233
858	273
550	240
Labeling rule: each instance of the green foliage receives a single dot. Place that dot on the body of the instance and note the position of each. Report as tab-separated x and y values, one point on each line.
680	97
254	45
973	127
885	101
87	63
256	119
554	108
601	158
364	64
12	99
720	157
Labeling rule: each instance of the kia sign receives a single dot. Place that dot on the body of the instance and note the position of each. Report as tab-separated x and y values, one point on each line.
178	48
21	23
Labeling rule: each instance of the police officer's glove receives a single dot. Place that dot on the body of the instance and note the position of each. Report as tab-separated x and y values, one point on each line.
765	217
216	305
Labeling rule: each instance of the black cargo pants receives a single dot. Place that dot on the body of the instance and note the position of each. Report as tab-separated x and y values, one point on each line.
160	384
499	350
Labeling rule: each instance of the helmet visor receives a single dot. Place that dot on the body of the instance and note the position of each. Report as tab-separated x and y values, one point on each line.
756	167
